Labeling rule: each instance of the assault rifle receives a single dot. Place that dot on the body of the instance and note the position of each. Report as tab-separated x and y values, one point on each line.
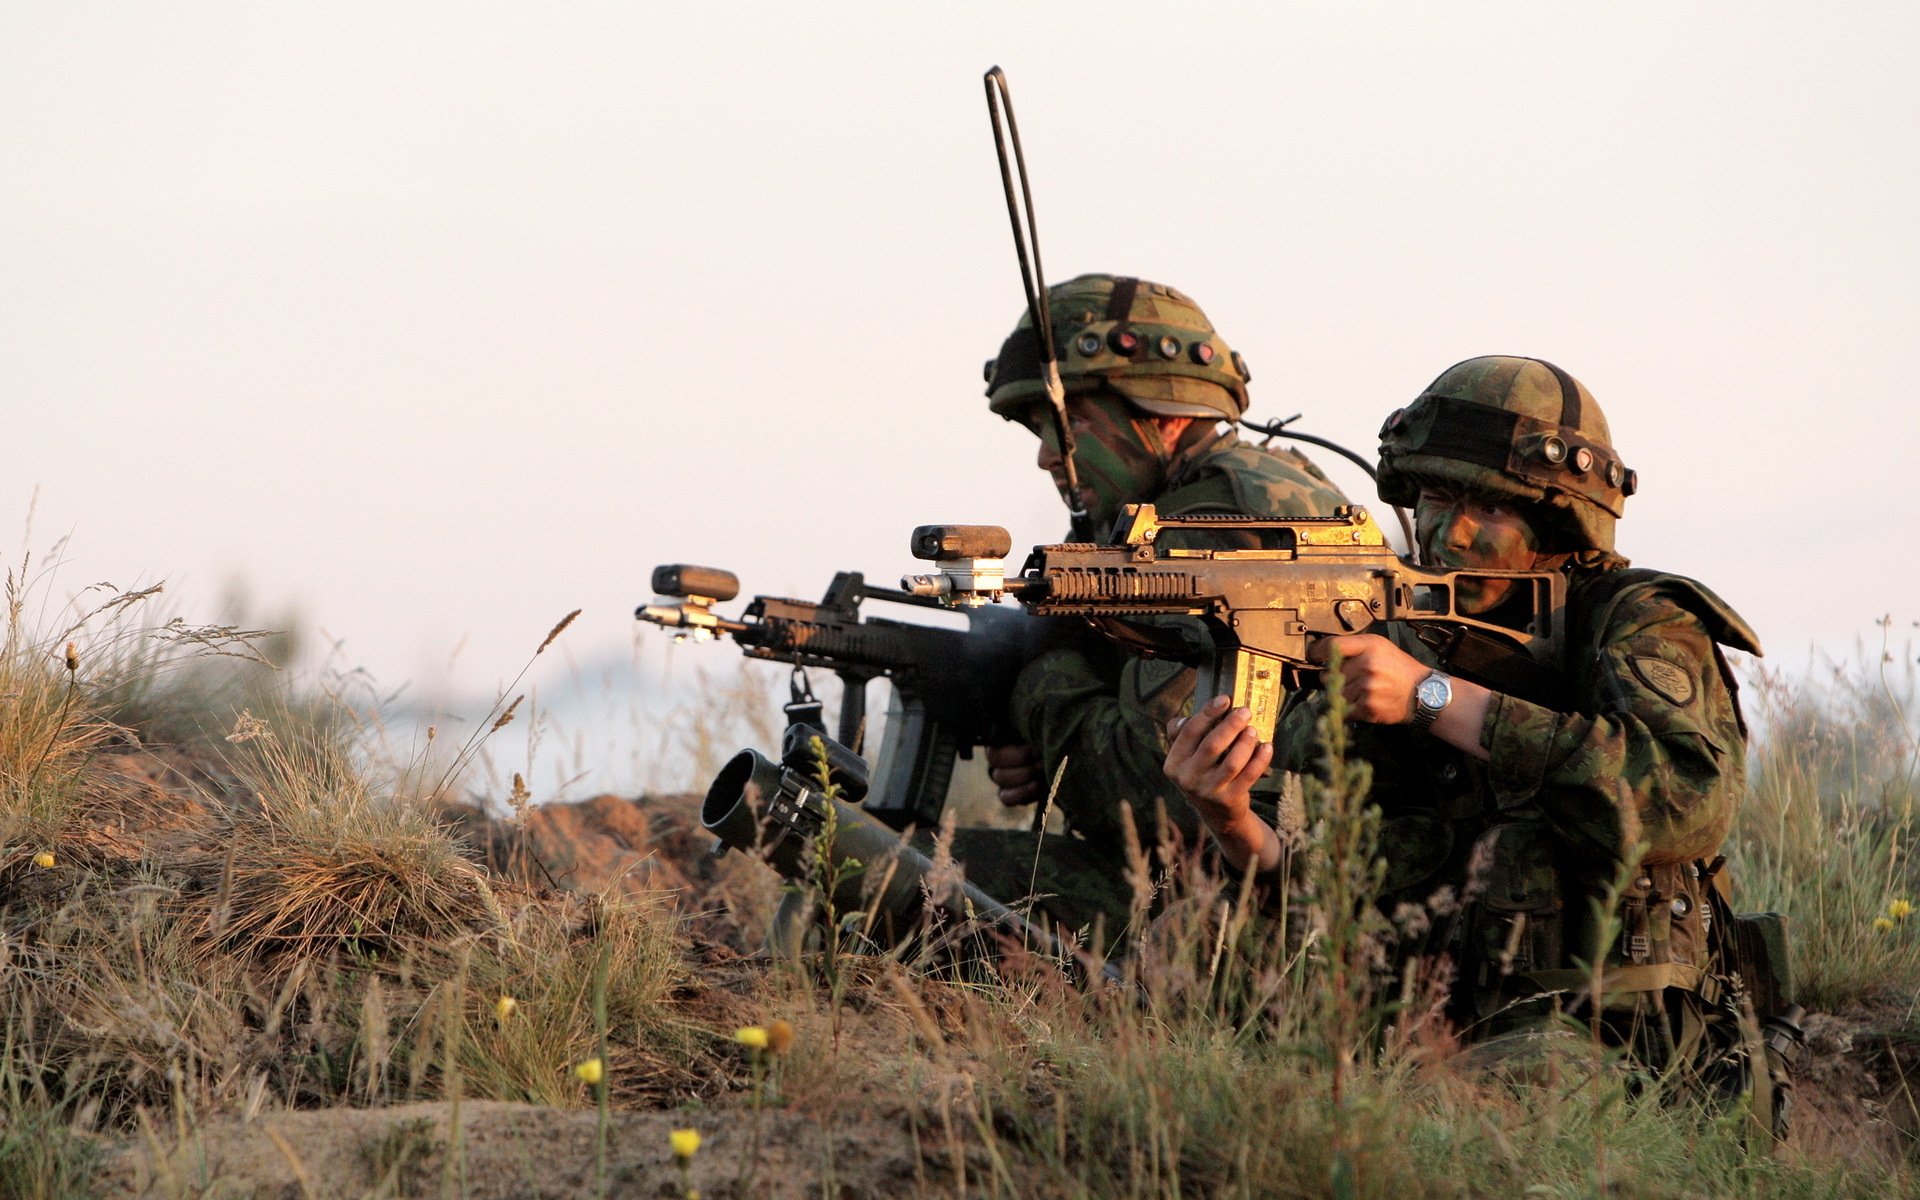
1258	610
949	685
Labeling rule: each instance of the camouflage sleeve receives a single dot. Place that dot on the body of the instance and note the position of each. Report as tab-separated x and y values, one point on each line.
1110	729
1656	756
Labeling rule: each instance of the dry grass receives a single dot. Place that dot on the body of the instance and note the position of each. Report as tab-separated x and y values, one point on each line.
321	862
1828	831
49	730
301	932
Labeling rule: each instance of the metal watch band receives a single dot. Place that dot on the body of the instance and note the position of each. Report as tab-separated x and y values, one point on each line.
1424	714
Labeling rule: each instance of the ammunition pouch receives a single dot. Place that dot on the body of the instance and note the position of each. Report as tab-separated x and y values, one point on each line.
1738	1031
1514	918
1753	953
1525	929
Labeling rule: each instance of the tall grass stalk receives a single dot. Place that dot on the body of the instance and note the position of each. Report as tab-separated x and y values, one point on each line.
1828	831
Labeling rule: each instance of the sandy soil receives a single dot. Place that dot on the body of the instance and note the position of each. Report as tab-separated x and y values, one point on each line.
517	1150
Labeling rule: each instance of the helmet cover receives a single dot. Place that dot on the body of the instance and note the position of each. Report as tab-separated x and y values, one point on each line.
1146	341
1515	427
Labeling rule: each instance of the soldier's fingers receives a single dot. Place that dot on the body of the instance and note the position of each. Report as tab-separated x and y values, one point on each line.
1013	754
1013	777
1223	734
1233	760
1192	729
1323	650
1020	797
1257	765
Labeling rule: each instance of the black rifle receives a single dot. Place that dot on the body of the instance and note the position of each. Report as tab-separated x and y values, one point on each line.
949	685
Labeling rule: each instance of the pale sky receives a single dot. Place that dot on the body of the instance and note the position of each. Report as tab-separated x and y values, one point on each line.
435	321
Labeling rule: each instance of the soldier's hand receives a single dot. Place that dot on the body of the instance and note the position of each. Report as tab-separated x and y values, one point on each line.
1216	758
1016	771
1380	676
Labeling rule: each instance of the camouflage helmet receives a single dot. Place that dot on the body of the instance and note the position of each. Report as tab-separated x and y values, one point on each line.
1517	427
1145	340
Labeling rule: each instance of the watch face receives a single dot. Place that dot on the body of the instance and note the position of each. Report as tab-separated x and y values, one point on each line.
1433	692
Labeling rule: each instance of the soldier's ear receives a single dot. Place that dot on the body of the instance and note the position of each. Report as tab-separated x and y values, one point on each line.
1172	429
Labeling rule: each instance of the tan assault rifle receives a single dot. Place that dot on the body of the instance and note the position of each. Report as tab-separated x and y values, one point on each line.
1258	610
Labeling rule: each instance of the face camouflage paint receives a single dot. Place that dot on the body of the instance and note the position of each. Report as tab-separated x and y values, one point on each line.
1457	527
1120	453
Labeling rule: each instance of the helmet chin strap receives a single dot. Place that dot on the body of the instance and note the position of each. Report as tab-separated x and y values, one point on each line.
1063	428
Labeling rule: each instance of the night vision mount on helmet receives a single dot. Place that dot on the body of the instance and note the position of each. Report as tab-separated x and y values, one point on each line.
1147	341
1515	427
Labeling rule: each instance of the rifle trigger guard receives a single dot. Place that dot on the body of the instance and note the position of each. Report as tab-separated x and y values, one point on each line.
1439	638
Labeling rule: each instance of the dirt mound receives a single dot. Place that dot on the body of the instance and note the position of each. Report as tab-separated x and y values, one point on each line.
1857	1084
649	845
606	844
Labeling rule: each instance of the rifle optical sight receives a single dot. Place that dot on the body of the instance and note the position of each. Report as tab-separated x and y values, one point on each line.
687	580
950	543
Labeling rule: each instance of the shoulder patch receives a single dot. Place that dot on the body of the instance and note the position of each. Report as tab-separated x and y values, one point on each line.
1669	681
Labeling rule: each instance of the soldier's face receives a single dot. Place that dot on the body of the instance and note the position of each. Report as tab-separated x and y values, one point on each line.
1119	455
1461	528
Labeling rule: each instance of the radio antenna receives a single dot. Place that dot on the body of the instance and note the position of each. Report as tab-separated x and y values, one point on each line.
1026	243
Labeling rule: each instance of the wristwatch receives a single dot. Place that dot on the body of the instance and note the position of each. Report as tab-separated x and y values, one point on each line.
1430	696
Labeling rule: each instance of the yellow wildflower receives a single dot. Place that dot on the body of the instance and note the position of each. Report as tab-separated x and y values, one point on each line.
751	1036
503	1008
779	1036
685	1142
591	1071
43	859
1900	910
1883	924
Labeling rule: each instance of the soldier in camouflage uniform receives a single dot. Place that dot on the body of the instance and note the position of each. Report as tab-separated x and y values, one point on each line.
1528	807
1149	382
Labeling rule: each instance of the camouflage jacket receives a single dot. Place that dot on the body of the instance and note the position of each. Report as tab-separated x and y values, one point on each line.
1642	746
1105	713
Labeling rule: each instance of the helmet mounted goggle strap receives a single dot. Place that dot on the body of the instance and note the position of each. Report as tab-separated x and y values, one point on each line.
1552	457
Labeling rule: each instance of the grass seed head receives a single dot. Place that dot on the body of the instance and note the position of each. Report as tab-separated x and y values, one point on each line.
557	630
506	717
